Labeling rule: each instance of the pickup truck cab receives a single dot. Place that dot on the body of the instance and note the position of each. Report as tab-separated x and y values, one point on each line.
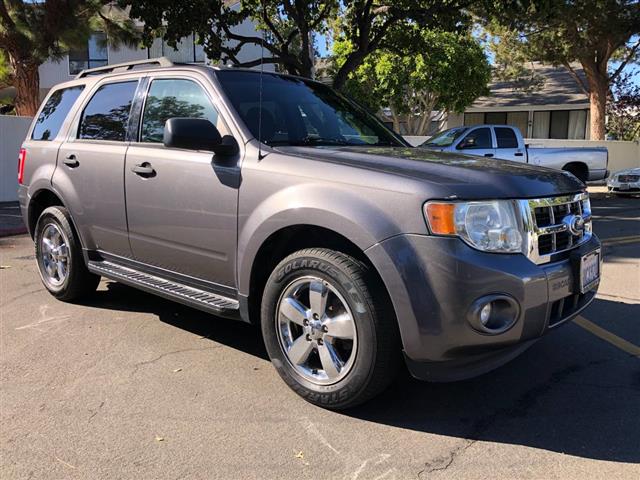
506	143
273	199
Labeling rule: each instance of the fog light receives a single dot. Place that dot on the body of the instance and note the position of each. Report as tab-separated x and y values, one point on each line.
485	314
493	314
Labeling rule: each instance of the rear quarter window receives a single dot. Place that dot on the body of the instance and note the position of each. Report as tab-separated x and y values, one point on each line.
54	112
506	138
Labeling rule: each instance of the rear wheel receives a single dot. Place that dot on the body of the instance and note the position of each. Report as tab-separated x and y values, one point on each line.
328	328
59	257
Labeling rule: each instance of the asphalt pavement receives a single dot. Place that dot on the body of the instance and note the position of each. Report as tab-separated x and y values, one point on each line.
127	385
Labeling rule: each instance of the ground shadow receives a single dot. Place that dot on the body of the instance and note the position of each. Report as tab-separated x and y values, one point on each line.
571	392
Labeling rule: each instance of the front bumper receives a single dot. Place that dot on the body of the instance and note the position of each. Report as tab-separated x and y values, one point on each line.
614	186
433	281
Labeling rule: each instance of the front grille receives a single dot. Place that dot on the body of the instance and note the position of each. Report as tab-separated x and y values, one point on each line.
628	178
558	225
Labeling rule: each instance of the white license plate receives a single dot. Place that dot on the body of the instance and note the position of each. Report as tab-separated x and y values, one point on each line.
589	271
624	186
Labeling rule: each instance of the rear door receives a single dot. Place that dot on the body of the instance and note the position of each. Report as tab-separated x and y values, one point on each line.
91	164
182	216
478	141
507	145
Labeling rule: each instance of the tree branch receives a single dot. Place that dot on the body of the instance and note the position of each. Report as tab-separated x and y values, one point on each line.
583	86
624	63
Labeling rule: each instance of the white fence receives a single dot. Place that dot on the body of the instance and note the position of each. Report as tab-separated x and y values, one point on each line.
621	154
12	133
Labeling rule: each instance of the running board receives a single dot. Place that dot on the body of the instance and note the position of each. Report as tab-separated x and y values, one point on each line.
194	297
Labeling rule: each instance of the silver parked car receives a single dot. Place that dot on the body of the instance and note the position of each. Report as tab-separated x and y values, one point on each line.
275	200
625	181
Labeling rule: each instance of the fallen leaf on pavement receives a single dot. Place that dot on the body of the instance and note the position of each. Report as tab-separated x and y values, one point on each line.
159	439
177	370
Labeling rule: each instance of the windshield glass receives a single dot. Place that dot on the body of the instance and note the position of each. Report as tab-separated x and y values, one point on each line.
446	138
301	112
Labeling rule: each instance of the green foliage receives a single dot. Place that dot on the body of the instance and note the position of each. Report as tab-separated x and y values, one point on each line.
560	32
6	72
435	71
623	111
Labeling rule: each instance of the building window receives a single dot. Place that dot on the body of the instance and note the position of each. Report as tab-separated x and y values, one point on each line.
563	124
514	119
93	55
186	51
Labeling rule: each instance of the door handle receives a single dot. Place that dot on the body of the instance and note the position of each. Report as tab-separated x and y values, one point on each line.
488	155
518	154
144	170
71	161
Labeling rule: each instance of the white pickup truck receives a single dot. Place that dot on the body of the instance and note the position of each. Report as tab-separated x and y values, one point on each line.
506	142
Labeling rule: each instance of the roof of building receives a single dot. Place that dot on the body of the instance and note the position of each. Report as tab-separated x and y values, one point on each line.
553	86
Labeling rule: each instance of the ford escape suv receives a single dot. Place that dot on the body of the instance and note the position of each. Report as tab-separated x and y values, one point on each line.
275	200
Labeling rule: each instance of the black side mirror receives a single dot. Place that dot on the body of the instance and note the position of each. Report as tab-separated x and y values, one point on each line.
468	142
197	134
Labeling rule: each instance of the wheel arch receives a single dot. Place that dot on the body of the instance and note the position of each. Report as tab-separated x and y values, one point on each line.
286	240
41	200
579	169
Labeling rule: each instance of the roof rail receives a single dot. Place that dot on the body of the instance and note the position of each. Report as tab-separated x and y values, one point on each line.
123	67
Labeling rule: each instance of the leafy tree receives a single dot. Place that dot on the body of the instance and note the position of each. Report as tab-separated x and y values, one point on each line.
289	26
560	32
441	70
32	32
623	111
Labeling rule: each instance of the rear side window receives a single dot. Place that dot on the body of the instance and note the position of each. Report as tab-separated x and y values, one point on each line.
54	112
171	98
506	138
106	116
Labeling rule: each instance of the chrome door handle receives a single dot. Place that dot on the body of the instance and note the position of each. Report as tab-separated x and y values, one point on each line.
488	155
144	170
71	161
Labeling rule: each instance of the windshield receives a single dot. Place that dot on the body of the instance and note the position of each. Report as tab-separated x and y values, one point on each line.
446	138
301	112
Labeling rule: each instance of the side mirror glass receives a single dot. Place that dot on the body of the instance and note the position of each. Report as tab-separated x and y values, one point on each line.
197	134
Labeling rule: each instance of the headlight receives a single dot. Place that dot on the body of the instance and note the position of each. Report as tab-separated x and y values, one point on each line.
491	226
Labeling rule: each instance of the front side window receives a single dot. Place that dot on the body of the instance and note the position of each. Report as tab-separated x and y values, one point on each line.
94	54
171	98
54	112
479	138
296	111
106	116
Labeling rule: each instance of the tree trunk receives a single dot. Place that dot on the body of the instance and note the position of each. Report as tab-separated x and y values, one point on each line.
599	90
27	83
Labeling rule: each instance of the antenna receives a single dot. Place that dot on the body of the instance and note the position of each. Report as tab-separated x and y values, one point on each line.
260	156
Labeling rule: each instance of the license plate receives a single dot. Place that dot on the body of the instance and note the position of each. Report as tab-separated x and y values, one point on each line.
589	271
624	186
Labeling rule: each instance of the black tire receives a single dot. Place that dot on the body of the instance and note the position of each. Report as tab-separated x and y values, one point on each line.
378	347
78	281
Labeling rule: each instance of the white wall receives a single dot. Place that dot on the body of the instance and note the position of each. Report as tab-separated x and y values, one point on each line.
13	130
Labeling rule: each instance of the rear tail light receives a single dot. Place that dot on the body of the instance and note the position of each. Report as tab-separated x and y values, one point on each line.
21	159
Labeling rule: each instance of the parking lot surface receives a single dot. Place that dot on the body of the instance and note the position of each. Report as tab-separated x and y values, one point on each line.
128	385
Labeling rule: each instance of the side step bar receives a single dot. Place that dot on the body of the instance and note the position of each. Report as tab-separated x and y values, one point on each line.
194	297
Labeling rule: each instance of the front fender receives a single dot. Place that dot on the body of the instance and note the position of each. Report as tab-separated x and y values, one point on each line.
338	209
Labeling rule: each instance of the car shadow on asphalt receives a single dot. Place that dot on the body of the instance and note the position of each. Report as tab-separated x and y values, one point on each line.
571	392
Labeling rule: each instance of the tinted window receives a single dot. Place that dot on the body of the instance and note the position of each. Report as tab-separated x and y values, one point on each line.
480	138
296	111
106	116
445	138
54	112
506	138
173	98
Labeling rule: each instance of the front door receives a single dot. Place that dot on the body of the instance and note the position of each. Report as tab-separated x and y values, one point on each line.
90	168
478	141
181	206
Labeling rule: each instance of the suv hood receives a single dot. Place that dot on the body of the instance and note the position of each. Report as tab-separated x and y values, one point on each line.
450	174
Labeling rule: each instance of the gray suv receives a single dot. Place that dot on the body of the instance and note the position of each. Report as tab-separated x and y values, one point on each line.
275	200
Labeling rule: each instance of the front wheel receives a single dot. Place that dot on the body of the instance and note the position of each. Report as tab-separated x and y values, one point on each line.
328	328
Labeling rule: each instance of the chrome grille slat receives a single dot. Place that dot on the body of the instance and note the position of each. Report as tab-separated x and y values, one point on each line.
548	226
